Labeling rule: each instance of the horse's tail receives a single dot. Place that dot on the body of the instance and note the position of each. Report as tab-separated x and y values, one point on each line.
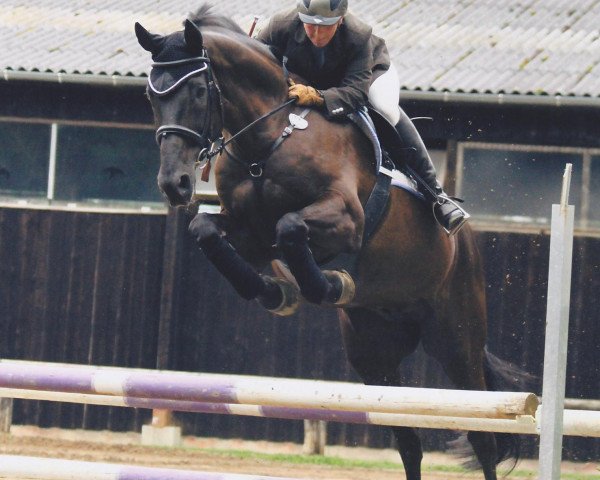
502	375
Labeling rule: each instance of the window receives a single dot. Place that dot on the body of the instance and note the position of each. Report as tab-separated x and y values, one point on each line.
439	159
593	191
24	159
519	183
79	166
96	164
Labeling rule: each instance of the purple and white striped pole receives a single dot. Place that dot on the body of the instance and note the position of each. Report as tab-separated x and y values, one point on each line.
576	423
264	391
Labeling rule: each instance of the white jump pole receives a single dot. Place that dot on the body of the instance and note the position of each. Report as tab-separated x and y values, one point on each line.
524	424
576	422
14	467
557	330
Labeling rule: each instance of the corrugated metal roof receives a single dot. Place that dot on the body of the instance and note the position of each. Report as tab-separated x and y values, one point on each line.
540	47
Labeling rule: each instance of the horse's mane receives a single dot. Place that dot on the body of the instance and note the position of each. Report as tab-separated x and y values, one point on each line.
205	17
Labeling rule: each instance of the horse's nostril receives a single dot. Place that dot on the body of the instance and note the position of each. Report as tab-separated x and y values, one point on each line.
185	182
177	187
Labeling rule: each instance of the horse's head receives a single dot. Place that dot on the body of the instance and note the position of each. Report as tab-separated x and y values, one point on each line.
186	104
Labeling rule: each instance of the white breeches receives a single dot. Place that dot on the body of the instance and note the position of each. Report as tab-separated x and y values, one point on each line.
384	95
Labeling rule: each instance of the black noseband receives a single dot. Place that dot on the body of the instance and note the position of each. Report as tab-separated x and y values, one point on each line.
196	137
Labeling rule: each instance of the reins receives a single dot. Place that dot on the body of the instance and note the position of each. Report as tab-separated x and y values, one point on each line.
255	169
223	145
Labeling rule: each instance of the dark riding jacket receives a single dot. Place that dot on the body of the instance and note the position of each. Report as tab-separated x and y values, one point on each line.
349	63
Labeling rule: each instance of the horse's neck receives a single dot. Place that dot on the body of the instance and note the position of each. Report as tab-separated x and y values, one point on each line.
251	86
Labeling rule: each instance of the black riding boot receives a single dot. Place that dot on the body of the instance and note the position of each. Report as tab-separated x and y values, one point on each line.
448	214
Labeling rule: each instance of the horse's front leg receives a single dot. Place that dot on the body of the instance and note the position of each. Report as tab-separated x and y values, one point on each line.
334	224
211	232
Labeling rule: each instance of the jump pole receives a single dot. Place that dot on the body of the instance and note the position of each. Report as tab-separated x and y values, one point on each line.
557	330
521	424
576	423
265	391
16	467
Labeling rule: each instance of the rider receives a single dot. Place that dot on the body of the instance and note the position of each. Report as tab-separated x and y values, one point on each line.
347	67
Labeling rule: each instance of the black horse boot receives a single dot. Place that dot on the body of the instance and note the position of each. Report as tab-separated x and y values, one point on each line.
445	210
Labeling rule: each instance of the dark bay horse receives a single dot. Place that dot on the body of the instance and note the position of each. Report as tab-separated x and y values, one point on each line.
301	201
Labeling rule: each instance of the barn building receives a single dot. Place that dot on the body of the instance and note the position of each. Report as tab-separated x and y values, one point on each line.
94	268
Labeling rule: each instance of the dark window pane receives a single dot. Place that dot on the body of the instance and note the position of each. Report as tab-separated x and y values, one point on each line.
106	164
594	211
24	159
517	186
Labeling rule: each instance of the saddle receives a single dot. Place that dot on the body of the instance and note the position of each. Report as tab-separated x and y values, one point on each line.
384	139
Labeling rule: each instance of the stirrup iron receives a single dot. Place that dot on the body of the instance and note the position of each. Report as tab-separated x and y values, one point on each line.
443	198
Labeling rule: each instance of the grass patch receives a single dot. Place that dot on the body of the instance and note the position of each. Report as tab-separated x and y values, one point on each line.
295	459
563	475
337	462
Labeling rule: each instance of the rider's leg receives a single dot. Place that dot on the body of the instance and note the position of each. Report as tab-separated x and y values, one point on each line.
383	96
450	216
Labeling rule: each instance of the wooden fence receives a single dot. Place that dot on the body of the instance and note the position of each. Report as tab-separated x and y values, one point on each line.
133	291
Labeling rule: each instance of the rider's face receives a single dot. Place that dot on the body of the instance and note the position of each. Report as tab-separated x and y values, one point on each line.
321	35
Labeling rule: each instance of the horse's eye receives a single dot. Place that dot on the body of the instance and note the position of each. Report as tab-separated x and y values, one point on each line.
200	91
199	87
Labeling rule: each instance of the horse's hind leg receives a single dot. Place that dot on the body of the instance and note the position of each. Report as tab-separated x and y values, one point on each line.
375	346
457	342
483	443
209	231
468	374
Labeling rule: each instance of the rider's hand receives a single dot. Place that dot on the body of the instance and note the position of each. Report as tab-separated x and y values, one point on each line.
306	96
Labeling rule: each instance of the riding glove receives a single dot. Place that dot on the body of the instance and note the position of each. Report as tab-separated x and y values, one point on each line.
307	96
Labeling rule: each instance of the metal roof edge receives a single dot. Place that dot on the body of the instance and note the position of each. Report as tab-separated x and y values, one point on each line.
501	99
414	95
80	78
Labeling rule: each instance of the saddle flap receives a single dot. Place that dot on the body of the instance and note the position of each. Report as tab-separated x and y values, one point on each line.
381	132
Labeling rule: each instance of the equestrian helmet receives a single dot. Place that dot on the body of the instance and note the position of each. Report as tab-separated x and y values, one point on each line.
321	12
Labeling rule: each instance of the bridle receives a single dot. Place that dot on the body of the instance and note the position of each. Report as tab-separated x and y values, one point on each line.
201	138
209	147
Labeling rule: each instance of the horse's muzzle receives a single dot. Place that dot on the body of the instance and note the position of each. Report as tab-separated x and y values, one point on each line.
176	178
178	187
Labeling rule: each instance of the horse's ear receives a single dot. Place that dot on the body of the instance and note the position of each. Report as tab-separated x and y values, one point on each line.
193	37
147	40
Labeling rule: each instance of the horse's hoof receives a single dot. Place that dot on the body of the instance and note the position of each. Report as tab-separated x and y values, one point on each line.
290	297
346	283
